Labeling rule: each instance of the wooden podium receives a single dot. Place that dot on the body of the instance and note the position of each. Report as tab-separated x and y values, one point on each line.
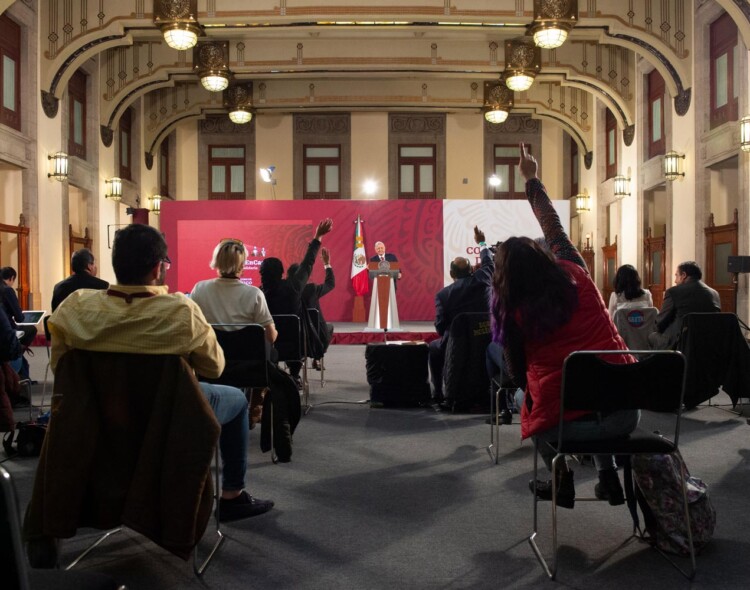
383	308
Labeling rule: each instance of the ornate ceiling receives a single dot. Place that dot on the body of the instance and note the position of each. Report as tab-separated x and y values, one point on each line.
346	55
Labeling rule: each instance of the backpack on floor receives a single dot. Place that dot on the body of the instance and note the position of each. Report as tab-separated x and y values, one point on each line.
658	490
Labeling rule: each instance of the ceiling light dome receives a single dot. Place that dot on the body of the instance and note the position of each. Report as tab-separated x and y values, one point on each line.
553	20
215	81
523	60
240	116
181	36
496	116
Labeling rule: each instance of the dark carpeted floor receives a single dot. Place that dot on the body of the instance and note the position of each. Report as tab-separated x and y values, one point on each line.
409	498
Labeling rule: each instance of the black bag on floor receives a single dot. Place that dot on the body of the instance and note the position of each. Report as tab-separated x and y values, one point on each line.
27	438
397	374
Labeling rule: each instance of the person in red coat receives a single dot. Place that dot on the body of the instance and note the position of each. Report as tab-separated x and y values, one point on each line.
545	306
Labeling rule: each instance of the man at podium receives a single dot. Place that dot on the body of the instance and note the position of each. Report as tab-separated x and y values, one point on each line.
384	270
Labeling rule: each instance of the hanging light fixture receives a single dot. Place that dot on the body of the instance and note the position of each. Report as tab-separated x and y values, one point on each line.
745	134
59	166
210	61
523	60
672	165
498	101
238	98
553	20
583	202
177	21
114	189
622	186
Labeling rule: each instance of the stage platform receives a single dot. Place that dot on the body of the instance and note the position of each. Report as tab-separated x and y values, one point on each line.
354	333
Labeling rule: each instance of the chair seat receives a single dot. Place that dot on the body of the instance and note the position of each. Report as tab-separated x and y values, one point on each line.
638	441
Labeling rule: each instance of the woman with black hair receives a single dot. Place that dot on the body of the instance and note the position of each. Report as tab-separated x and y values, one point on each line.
545	306
628	293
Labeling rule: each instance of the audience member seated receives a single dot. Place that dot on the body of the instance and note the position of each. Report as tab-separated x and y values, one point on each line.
628	293
544	307
11	305
10	349
84	277
139	315
284	296
690	294
469	291
311	295
227	300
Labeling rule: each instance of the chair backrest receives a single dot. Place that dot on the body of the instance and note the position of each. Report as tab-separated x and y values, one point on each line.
12	558
464	373
127	429
47	333
634	325
717	355
289	341
592	381
246	353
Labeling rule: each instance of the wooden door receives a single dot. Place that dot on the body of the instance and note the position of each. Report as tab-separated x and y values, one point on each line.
609	259
654	260
721	243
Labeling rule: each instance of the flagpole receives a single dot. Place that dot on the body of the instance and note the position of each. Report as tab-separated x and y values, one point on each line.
358	311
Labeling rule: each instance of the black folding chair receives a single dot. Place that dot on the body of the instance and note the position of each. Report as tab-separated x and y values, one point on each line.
590	383
501	386
246	351
314	315
291	345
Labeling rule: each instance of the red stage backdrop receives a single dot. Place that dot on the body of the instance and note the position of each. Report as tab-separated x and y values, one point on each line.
413	230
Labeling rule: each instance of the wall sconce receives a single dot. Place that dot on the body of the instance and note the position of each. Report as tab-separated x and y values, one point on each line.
238	98
552	22
672	165
114	189
583	202
745	134
59	166
178	23
523	60
155	204
210	59
498	101
622	186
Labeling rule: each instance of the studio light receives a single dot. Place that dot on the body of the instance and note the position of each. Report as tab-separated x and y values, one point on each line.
266	174
494	181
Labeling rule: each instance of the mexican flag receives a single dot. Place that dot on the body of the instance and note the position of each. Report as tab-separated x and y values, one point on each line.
360	278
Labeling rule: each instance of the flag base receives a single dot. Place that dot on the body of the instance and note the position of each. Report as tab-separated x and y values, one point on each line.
358	313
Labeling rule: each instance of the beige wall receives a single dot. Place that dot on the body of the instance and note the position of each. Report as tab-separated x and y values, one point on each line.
186	154
369	154
463	156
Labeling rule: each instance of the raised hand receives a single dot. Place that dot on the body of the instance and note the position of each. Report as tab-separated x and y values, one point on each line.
527	164
325	256
478	235
323	228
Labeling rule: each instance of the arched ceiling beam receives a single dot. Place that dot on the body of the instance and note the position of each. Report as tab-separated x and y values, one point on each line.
739	10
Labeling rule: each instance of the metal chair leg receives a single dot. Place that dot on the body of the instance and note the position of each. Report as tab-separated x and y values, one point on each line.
199	570
532	538
91	547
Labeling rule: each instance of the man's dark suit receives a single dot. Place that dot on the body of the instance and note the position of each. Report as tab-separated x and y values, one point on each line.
388	256
465	294
79	280
680	300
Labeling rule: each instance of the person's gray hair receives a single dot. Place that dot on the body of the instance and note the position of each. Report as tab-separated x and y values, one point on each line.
229	258
81	260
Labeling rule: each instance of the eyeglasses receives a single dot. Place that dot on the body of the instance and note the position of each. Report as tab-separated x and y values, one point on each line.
167	263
